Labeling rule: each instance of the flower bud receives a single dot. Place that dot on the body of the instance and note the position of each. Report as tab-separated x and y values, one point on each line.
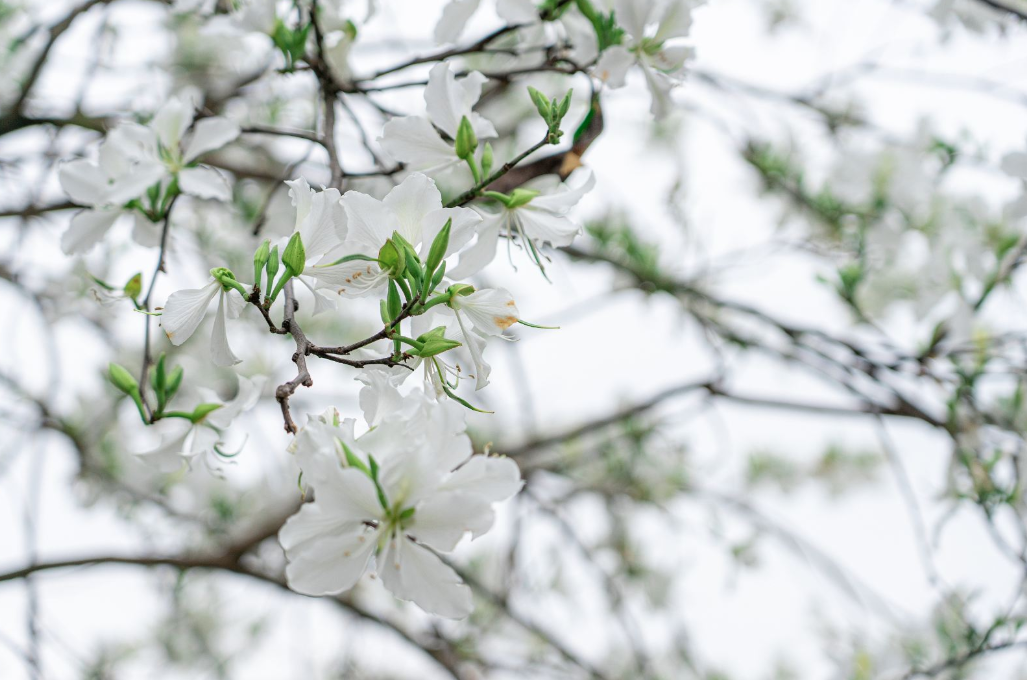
295	257
466	140
260	260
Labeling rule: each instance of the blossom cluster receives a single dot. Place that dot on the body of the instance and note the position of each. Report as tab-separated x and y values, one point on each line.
409	486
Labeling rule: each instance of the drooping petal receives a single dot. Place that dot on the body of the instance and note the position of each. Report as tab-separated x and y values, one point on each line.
170	455
379	396
543	226
184	311
494	478
475	345
410	201
322	302
220	353
145	232
479	255
324	557
204	182
612	67
209	134
83	181
491	311
413	140
87	228
414	573
246	398
454	18
659	86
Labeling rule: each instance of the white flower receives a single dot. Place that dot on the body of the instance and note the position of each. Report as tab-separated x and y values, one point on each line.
204	437
164	142
457	13
185	309
415	141
321	223
104	186
133	158
543	219
480	315
412	208
428	492
648	26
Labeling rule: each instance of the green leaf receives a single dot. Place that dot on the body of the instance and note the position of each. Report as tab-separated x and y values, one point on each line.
434	347
202	411
295	257
541	103
374	478
351	458
134	286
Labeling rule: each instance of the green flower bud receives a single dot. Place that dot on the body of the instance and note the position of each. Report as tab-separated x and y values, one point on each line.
260	260
466	140
295	257
227	280
391	259
123	380
541	103
272	266
487	159
437	252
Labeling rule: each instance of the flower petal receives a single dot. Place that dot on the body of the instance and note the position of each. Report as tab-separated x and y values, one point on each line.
410	201
479	255
356	278
209	134
460	232
171	121
324	558
442	520
454	18
494	478
184	311
83	181
612	67
220	353
369	222
490	311
204	182
414	573
413	140
87	228
517	11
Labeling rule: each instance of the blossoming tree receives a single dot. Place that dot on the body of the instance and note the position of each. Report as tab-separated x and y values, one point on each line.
329	195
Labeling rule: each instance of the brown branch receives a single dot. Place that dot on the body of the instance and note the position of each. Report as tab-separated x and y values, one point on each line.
299	357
